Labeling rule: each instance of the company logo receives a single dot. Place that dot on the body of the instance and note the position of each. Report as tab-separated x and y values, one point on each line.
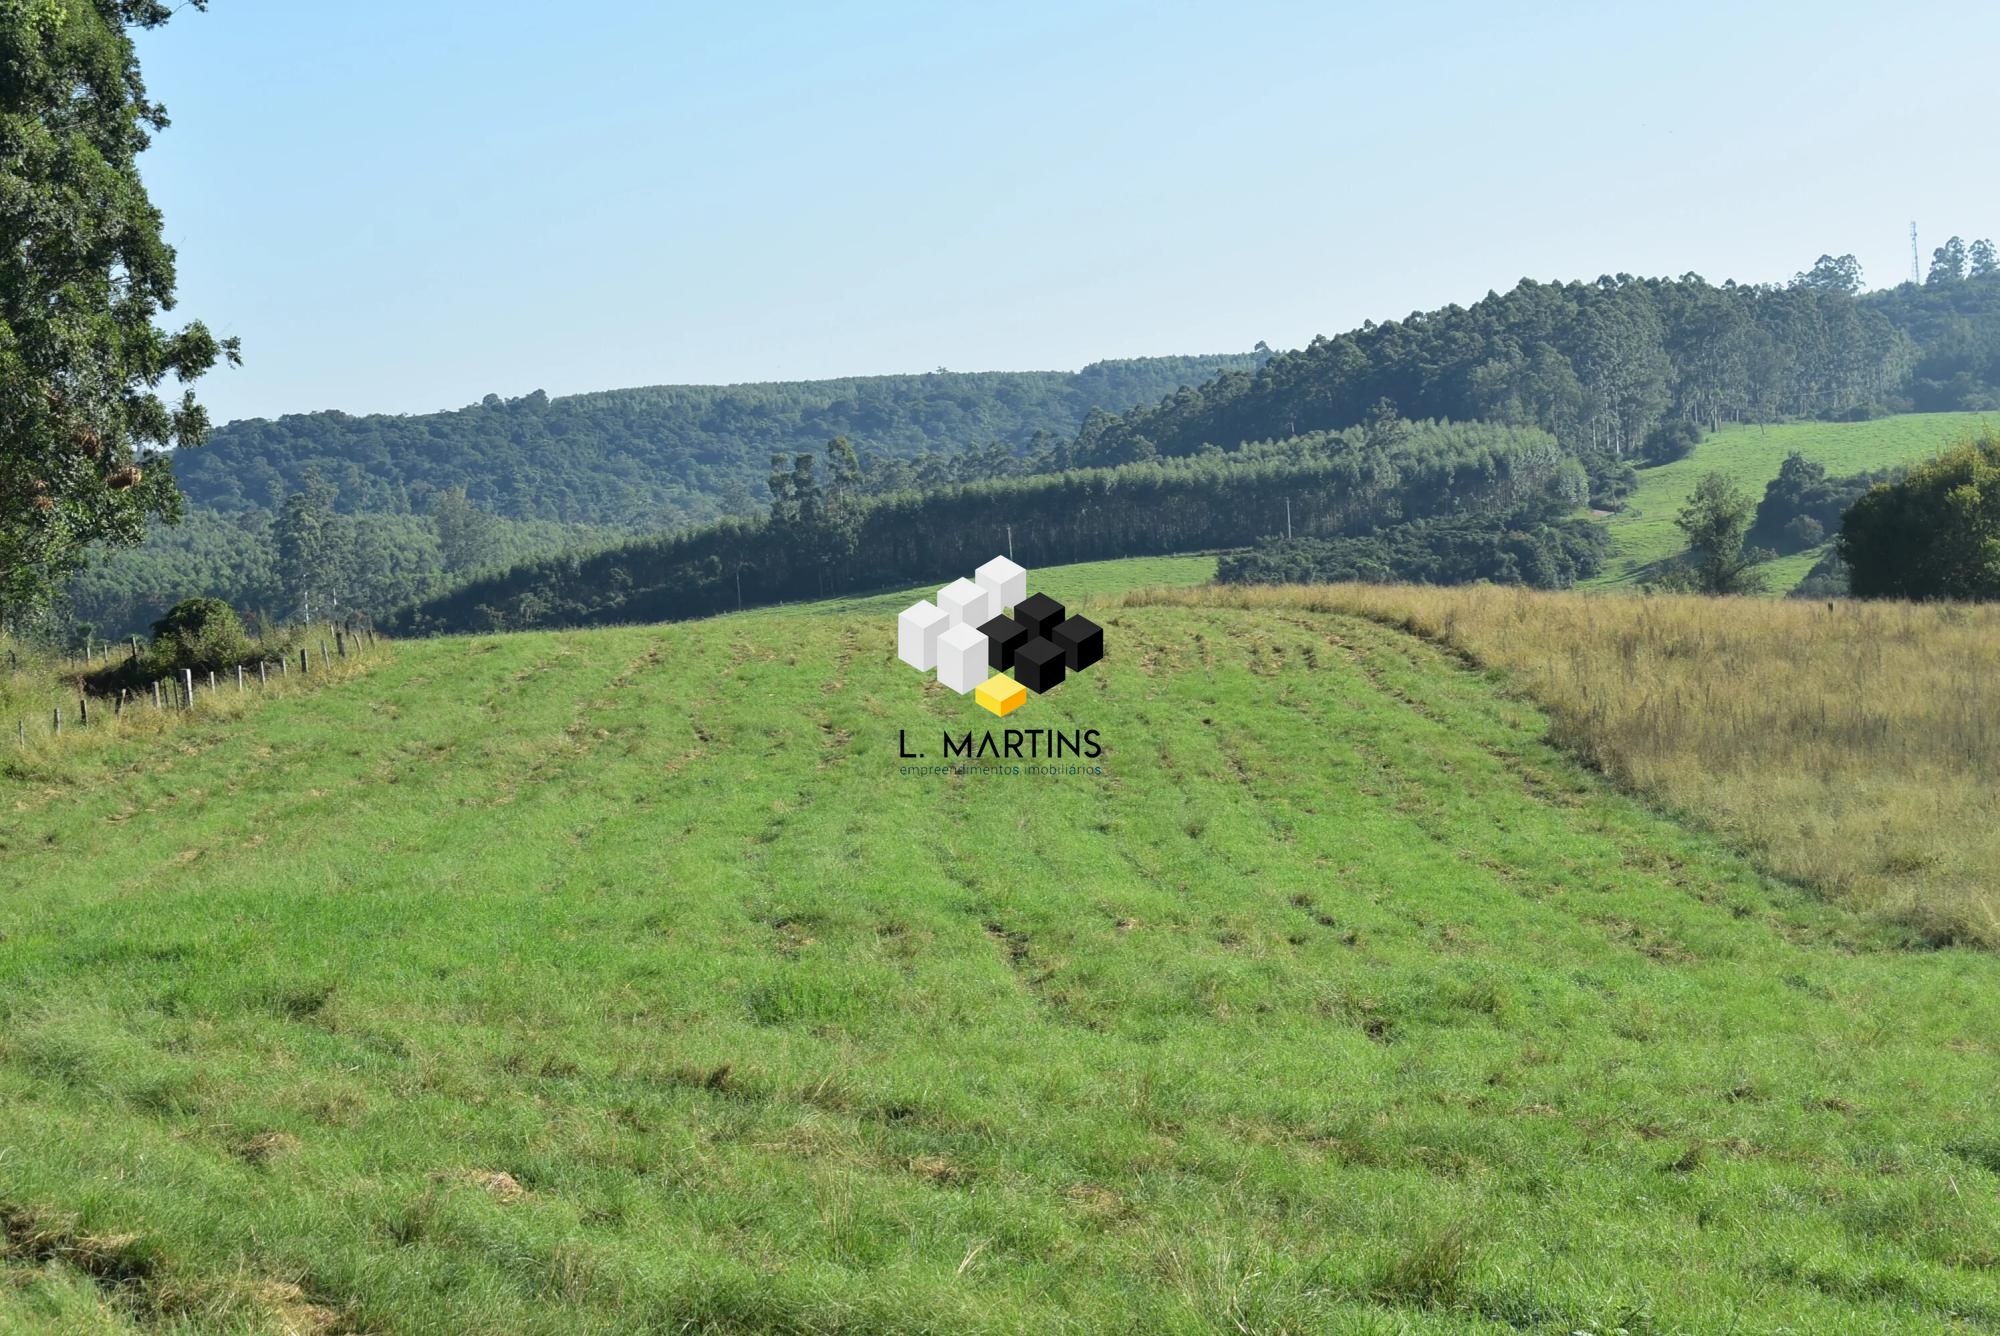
980	630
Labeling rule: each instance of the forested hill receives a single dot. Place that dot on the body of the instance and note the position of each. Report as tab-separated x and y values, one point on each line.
1606	365
658	457
825	535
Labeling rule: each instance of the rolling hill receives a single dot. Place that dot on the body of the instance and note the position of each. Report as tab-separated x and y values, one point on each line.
659	456
1600	367
625	980
1643	533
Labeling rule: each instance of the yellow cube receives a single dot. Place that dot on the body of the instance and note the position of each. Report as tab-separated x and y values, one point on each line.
1001	694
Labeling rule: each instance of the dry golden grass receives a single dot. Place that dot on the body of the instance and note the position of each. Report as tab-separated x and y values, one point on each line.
1854	748
29	696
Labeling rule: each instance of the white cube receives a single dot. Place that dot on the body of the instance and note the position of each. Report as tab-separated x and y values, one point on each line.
917	632
961	658
1006	582
967	604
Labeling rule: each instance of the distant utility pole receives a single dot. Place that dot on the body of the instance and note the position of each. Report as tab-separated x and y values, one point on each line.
1916	265
1288	519
1010	542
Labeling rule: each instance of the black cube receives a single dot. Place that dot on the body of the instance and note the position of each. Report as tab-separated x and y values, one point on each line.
1040	614
1038	664
1082	642
1003	635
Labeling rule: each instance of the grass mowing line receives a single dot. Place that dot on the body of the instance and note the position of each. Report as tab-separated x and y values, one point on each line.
819	1091
1851	750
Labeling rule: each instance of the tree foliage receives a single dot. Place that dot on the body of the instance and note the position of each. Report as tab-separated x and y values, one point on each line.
1954	331
465	533
656	458
1599	365
1802	505
1523	549
307	540
377	563
203	634
84	272
1933	534
1716	522
1948	263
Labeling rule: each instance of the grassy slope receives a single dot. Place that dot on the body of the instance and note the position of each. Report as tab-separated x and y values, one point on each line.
1644	533
1853	748
1072	583
1344	1002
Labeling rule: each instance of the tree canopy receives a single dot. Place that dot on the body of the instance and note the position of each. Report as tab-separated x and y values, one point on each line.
1933	534
659	457
1599	365
1716	521
84	272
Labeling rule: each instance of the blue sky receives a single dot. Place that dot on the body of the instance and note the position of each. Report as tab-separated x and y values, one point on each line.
402	205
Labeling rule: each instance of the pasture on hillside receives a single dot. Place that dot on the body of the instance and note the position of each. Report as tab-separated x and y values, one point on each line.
622	980
1643	533
1081	580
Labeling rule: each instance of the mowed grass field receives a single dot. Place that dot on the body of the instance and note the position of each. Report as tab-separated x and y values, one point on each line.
621	981
1643	534
1072	584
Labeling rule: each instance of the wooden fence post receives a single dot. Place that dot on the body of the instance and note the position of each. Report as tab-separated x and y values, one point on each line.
284	665
187	680
57	714
83	711
156	693
263	675
305	659
239	679
340	643
118	706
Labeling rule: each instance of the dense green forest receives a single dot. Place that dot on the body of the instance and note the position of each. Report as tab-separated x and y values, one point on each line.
826	534
660	457
362	562
1622	367
1526	547
1953	322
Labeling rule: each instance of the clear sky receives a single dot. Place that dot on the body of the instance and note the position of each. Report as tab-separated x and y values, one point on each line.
402	205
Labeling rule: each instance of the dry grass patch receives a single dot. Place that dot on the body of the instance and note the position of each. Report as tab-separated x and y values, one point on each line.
1854	747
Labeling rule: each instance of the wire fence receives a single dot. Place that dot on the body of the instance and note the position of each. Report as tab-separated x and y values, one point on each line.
52	701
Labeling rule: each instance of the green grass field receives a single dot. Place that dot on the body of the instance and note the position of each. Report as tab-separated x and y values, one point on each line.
1083	580
621	981
1643	534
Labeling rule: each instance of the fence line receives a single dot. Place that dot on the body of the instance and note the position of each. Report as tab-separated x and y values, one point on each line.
175	695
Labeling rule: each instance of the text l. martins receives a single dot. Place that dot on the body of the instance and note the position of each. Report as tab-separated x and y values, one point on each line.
1012	744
